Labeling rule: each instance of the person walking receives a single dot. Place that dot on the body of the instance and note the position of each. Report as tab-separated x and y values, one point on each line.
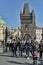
41	48
14	47
22	46
27	47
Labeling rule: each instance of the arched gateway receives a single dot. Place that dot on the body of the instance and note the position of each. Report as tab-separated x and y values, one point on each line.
27	36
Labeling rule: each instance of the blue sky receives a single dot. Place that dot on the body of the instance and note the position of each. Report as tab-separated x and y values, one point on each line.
10	11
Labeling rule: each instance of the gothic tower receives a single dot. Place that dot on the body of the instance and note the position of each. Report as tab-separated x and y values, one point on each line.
27	22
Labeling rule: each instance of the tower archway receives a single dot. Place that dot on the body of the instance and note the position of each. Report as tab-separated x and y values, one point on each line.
27	37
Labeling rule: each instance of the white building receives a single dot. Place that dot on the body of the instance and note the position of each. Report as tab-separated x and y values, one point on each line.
38	34
14	33
2	29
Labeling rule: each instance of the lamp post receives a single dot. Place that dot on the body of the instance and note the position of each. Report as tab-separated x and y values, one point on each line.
42	36
26	33
42	33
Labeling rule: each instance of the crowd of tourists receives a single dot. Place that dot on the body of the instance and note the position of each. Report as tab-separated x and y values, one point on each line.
27	46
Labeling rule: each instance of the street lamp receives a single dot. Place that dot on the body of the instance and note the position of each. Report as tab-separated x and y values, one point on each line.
42	36
42	33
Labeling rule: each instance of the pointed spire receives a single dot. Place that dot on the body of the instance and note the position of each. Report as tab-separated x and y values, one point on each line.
26	9
33	13
33	16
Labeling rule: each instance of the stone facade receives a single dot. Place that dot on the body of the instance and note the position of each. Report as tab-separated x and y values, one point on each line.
27	22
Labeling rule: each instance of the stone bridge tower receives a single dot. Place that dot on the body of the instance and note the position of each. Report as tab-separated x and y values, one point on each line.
27	22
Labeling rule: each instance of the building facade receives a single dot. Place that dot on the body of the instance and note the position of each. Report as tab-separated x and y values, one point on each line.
2	29
2	34
38	34
27	22
13	34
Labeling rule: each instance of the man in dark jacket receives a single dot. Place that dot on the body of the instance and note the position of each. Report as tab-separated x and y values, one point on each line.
22	47
14	47
27	48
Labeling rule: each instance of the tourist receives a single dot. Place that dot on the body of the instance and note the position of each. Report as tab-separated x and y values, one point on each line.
14	47
41	48
22	46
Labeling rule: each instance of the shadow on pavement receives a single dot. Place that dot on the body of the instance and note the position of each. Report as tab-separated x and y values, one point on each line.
19	63
23	56
9	56
5	55
27	64
40	59
14	62
41	63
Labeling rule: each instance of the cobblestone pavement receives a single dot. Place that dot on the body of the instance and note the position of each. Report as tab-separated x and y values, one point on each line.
7	59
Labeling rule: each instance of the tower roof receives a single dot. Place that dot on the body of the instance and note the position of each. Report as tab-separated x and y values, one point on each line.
33	12
26	9
1	20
